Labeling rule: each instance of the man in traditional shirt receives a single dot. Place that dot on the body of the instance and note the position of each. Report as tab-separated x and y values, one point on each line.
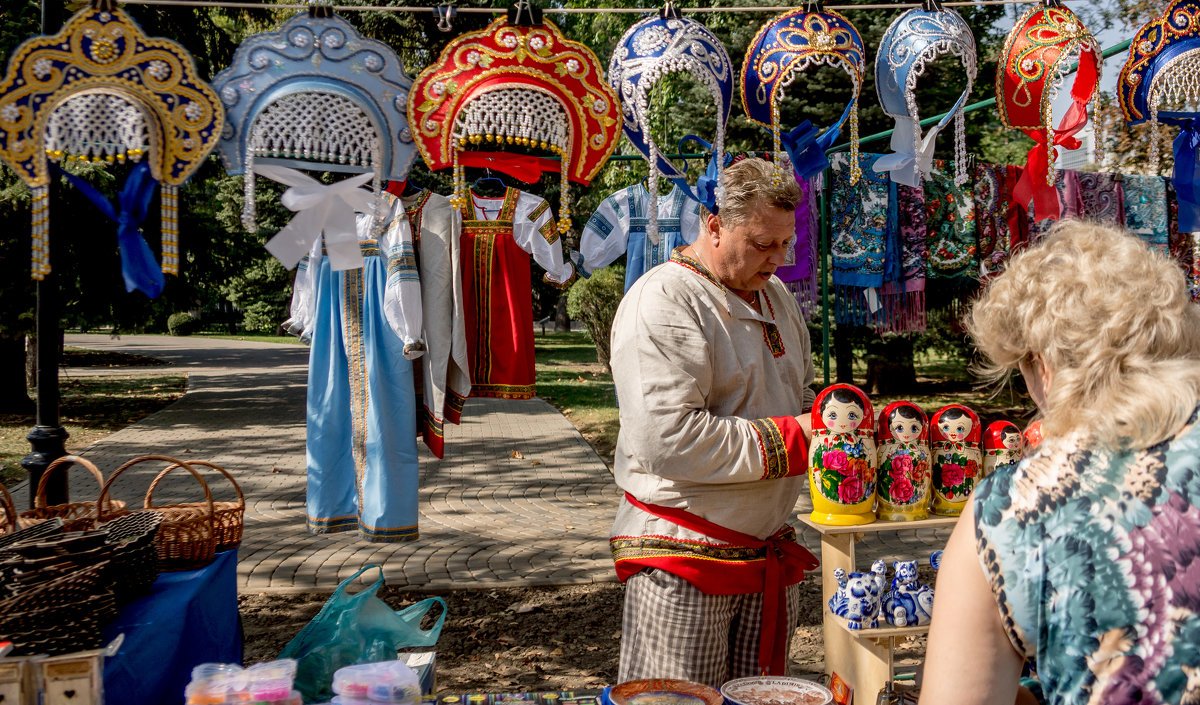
712	365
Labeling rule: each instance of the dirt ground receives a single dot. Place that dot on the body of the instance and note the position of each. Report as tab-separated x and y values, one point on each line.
525	639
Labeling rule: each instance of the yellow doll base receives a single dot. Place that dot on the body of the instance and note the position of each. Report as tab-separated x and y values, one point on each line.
842	519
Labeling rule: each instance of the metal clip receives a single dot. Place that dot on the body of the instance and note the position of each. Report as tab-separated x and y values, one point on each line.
814	6
970	162
445	15
670	12
524	14
931	5
1053	3
104	5
320	9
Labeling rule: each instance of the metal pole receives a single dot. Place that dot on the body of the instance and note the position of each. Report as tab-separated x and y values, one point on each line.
826	192
48	437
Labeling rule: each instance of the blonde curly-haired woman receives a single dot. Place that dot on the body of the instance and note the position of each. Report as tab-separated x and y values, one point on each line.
1085	556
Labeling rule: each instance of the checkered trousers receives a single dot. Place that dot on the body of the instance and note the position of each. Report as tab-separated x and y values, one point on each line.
672	630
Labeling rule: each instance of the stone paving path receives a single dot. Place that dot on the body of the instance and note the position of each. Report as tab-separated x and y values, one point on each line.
520	498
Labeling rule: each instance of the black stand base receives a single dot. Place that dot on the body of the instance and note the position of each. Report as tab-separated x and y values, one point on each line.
49	444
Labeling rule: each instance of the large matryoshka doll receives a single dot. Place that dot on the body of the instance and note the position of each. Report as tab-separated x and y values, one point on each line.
841	457
956	458
1001	445
904	461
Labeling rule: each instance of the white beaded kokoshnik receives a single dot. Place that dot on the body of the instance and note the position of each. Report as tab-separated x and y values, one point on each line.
650	50
313	126
524	116
1175	86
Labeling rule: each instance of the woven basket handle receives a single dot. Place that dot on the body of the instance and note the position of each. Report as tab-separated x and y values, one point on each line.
39	499
10	510
174	463
204	463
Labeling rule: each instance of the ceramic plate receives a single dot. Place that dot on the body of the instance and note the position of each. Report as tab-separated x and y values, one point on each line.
659	691
776	690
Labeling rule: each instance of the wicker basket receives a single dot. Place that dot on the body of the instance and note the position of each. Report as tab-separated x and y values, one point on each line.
228	517
186	538
52	527
8	512
76	516
134	554
61	615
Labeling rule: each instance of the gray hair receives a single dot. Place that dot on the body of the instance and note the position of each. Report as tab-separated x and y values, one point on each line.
751	184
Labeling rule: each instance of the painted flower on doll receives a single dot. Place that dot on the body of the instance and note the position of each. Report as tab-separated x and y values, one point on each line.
902	491
836	460
952	475
902	466
851	490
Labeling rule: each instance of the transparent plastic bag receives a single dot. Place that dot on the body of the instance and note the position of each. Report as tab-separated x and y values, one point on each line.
356	628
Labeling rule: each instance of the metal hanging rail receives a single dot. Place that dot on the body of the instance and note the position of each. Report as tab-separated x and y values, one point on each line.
552	10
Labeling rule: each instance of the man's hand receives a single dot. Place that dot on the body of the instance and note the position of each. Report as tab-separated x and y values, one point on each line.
805	421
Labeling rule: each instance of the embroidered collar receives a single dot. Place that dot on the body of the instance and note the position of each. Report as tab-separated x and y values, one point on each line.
698	267
914	39
315	93
651	49
101	90
785	47
515	84
1032	69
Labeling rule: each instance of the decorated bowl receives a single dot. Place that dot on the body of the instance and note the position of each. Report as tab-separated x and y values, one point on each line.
664	691
776	690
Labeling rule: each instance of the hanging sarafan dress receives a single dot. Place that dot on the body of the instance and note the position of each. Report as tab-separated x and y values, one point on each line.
357	296
512	84
101	91
620	227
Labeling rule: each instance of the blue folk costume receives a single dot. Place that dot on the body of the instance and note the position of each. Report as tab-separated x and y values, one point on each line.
357	296
619	227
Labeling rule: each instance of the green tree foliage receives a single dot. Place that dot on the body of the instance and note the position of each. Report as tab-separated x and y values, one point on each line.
594	301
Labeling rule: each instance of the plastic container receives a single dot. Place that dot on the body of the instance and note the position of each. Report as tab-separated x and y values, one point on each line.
382	682
270	681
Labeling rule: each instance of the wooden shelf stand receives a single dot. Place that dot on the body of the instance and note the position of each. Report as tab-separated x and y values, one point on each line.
863	658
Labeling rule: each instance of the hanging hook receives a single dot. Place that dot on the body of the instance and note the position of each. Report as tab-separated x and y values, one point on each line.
814	6
320	9
670	11
1057	4
524	14
104	5
445	15
931	5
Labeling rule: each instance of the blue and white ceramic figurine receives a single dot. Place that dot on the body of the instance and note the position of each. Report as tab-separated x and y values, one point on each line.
909	603
857	597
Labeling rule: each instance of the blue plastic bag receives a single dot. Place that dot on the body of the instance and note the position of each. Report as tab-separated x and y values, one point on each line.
356	628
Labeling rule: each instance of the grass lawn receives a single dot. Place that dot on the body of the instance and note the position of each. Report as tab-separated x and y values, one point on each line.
92	408
286	339
570	378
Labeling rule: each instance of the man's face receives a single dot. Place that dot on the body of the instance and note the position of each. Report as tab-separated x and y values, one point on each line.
750	252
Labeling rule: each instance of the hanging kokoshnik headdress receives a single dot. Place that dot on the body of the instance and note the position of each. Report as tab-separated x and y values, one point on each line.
1032	69
785	47
316	94
1163	70
650	50
915	38
515	84
101	90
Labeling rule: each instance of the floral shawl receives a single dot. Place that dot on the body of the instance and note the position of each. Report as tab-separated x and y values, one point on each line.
801	275
1146	209
904	300
993	193
1098	197
950	213
858	239
1183	246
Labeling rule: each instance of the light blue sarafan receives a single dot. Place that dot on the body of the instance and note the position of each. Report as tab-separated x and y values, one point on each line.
786	46
651	49
315	94
914	39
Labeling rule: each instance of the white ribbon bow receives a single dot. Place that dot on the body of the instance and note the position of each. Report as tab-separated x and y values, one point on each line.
319	209
906	168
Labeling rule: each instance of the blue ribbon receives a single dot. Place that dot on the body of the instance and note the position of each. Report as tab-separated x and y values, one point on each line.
705	191
1187	176
138	265
806	148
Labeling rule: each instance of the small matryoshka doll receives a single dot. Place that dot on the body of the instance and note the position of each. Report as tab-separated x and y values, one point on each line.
841	457
1001	445
904	461
1033	436
956	458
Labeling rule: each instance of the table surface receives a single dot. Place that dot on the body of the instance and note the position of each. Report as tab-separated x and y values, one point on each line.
877	526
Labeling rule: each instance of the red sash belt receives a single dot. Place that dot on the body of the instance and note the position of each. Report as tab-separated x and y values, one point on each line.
784	557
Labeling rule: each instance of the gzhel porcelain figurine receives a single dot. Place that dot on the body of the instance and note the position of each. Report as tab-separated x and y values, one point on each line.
841	457
904	460
909	603
956	458
1001	445
857	597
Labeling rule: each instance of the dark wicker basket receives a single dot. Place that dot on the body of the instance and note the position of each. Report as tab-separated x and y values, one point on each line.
228	516
134	553
186	538
76	516
41	529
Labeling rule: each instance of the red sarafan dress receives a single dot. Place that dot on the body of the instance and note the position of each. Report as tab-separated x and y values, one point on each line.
498	237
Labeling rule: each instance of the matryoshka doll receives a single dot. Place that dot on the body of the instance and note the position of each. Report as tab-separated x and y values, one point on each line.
956	458
841	457
904	460
1001	445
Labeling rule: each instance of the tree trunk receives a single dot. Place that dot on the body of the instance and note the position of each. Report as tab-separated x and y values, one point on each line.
562	320
14	394
843	355
891	368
